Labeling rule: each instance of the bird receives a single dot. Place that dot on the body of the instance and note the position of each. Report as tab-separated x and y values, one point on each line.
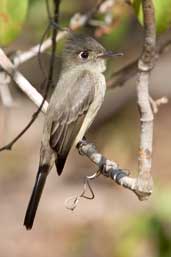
73	106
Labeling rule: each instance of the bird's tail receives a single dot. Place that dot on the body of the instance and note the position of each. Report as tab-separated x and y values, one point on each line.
35	197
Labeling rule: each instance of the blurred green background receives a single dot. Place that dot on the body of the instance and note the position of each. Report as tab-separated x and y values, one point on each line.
115	223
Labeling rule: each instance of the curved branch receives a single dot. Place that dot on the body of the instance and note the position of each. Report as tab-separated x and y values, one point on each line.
111	170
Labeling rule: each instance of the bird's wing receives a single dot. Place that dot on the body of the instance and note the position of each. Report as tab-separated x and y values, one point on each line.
69	116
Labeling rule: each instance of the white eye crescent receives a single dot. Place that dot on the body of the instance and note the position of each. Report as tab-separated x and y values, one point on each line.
84	55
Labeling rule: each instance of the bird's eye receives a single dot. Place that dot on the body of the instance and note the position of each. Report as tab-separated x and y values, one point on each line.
84	55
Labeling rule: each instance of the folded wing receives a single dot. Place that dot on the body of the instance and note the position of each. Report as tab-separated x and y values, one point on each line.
70	117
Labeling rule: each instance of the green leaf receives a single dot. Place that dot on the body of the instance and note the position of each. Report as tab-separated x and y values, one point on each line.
12	16
162	13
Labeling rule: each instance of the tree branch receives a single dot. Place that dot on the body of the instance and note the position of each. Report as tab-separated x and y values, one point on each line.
110	169
144	182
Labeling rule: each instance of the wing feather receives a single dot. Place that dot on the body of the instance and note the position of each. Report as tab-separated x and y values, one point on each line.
71	115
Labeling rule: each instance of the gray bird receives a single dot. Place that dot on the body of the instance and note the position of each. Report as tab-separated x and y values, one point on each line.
73	106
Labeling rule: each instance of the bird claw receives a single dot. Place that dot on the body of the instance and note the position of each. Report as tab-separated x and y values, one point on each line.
80	144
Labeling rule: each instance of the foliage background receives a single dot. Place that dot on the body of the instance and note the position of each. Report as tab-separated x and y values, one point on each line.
115	223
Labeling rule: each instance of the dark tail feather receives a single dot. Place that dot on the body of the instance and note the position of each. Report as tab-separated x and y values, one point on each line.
59	163
35	197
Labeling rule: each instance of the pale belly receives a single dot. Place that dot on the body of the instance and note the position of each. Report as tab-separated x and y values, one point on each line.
94	107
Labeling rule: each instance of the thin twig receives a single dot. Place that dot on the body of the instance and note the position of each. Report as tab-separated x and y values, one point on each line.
32	52
21	81
155	104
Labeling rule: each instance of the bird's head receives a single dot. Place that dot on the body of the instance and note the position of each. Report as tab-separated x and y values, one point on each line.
85	52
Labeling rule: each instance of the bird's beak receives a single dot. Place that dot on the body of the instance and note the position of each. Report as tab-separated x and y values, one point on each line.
109	54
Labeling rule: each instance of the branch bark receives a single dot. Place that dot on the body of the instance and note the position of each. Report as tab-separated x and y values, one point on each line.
144	182
109	168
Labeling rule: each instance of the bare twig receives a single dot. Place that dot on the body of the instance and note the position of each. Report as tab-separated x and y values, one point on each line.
54	35
156	103
21	81
22	57
144	183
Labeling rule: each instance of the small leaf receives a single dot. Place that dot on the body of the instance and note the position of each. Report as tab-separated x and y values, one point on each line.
12	16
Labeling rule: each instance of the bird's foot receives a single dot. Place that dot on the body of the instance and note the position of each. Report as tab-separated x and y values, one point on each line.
80	144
